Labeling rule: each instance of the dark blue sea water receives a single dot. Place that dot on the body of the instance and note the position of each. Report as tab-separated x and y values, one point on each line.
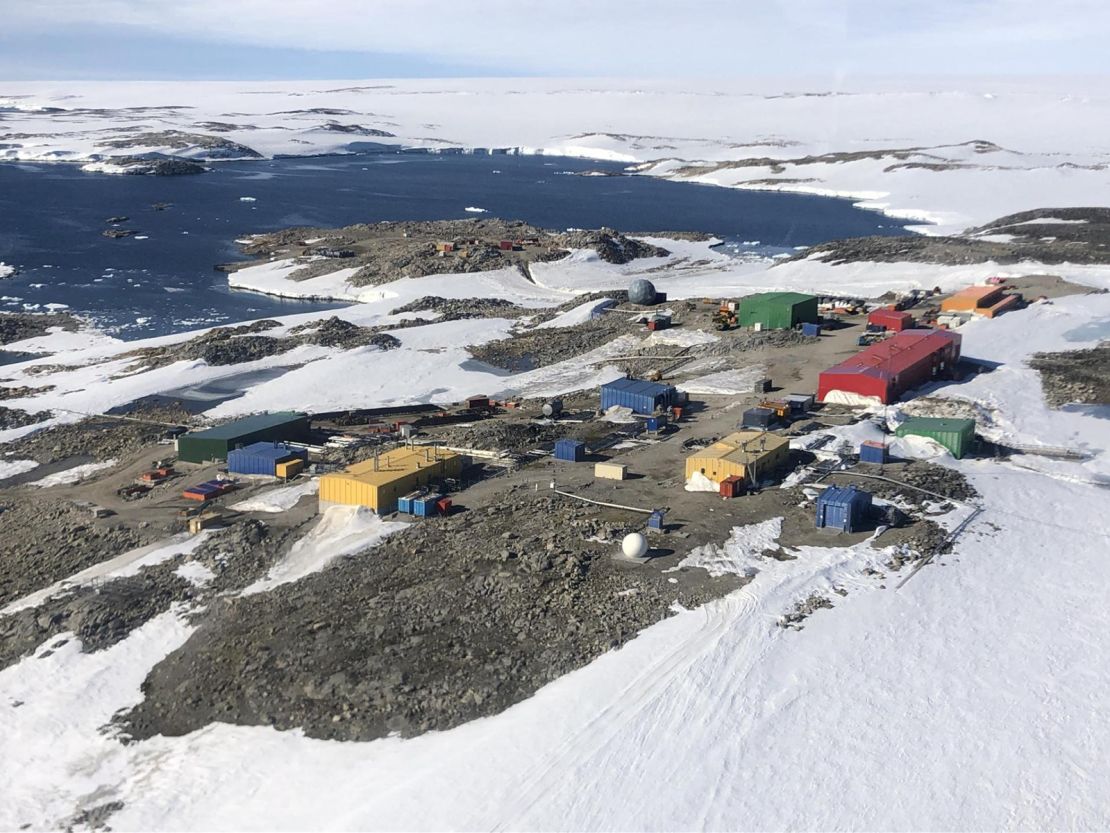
162	281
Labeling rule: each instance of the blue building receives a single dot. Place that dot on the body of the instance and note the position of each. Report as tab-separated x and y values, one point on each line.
843	508
264	458
642	397
573	451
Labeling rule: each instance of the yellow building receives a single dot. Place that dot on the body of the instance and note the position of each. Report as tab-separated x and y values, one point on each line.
378	483
751	455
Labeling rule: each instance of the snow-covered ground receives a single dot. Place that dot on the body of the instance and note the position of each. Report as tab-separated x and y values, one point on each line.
969	699
72	475
955	152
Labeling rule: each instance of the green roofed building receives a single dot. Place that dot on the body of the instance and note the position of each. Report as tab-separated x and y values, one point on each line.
957	435
777	310
215	443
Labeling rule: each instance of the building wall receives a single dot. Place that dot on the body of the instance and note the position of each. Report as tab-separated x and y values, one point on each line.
715	468
857	383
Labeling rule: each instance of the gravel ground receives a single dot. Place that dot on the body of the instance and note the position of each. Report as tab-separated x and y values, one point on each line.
1075	376
47	540
456	618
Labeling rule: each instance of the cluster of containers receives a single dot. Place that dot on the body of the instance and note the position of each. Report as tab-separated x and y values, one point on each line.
424	504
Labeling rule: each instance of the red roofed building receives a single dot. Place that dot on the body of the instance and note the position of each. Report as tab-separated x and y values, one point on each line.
891	319
890	368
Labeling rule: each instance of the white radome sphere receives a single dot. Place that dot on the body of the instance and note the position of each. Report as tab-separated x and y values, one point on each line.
634	545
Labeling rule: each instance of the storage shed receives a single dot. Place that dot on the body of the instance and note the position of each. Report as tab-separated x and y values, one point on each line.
610	471
844	508
872	452
378	483
750	455
573	451
264	458
889	318
957	435
642	397
886	370
758	418
777	310
215	443
799	403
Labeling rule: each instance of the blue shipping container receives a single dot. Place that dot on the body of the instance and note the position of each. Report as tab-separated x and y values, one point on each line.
425	506
407	503
870	452
573	451
262	457
810	329
642	397
845	509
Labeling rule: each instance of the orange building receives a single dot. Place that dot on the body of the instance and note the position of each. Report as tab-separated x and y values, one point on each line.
987	301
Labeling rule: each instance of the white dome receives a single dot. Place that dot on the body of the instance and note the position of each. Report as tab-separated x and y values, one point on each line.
634	545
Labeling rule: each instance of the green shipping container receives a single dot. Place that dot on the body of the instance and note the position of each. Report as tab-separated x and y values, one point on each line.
957	435
215	443
777	310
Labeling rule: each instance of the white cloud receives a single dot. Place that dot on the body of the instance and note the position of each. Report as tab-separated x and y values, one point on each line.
635	37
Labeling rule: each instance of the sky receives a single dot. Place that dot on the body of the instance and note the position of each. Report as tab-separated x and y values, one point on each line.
285	39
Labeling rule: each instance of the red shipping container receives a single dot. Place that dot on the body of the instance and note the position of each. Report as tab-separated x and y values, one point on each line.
891	319
732	486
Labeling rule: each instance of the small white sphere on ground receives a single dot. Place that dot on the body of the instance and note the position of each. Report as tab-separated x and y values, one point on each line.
634	545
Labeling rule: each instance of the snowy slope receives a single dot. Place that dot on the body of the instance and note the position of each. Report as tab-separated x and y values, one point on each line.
957	152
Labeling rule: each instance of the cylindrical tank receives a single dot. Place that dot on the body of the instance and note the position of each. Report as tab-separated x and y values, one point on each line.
641	292
634	545
552	407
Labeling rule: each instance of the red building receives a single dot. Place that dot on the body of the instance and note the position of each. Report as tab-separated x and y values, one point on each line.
891	319
890	368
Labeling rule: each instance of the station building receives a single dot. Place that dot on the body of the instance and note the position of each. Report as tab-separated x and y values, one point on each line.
886	370
215	443
777	310
749	455
378	483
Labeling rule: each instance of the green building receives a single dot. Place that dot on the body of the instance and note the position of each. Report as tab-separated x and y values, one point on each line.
957	435
777	310
215	443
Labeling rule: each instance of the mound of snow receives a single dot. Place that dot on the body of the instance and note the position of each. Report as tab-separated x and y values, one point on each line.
10	468
698	482
73	475
342	530
278	500
739	553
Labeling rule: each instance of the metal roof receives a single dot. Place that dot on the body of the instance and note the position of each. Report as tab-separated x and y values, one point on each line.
937	424
778	297
247	425
743	447
395	463
890	357
841	495
271	450
639	386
